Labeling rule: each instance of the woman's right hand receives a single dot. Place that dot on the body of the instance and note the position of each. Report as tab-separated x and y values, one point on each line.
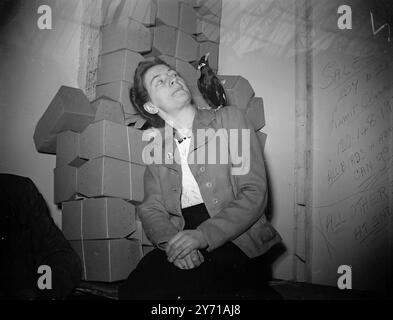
191	261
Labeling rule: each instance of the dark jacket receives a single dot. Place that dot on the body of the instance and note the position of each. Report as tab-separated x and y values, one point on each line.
236	203
29	238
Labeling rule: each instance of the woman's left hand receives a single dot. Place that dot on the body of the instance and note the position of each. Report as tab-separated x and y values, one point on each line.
191	261
183	243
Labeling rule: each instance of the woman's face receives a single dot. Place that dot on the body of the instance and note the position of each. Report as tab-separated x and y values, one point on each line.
167	90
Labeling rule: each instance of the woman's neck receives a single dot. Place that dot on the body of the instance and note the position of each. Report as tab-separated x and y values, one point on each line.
182	121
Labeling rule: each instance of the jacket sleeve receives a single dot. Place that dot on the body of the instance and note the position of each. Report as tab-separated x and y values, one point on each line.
251	198
154	217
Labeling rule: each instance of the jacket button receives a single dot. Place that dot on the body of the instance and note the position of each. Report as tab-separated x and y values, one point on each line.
202	169
208	184
215	201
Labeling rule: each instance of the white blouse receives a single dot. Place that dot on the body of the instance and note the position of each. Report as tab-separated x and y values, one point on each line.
191	194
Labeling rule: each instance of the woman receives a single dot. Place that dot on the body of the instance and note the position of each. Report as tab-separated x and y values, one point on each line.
207	224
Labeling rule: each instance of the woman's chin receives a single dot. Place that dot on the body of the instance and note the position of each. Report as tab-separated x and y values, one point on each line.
182	96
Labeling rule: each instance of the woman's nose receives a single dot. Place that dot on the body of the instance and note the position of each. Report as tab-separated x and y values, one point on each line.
172	82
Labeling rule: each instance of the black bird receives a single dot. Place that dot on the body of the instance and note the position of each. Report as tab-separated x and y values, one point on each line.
210	86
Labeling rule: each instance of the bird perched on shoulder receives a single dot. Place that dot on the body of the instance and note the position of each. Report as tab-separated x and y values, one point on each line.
210	86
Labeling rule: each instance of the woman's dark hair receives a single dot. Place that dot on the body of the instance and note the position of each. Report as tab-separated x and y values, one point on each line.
139	95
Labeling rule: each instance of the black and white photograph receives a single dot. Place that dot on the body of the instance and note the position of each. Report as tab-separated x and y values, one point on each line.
196	154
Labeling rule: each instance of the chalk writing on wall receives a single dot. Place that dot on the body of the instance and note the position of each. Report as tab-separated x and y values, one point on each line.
353	165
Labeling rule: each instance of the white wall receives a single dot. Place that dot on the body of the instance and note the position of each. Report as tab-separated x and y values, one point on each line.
257	42
34	63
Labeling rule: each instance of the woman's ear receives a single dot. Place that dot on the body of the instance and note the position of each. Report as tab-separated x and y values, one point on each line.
150	107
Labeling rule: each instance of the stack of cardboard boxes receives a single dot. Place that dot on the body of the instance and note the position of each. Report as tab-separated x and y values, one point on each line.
240	94
177	31
98	145
99	168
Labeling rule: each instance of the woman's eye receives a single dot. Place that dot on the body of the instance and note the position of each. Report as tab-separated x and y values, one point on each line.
160	81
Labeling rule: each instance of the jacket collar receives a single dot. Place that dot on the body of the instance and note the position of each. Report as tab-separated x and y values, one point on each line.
202	120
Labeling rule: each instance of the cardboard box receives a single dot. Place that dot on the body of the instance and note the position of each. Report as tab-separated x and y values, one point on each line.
186	47
194	87
136	145
200	102
119	65
164	40
192	3
125	34
238	90
187	18
255	113
65	183
188	72
137	187
135	120
139	234
168	59
105	177
208	28
209	7
108	109
109	177
107	260
71	219
212	47
102	218
68	110
68	149
105	138
167	12
142	11
262	139
118	91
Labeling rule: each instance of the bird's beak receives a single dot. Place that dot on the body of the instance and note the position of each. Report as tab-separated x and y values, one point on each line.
207	56
199	67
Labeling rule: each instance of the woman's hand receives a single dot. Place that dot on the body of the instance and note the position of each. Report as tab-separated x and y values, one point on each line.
191	261
183	243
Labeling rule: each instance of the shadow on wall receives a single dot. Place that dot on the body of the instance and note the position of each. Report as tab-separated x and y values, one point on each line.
8	10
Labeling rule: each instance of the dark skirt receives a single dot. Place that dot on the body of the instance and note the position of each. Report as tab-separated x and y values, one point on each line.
226	273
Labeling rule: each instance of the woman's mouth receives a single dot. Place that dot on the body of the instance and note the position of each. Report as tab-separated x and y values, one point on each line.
177	90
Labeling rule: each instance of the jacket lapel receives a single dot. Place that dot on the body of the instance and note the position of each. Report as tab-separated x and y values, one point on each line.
200	128
200	136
